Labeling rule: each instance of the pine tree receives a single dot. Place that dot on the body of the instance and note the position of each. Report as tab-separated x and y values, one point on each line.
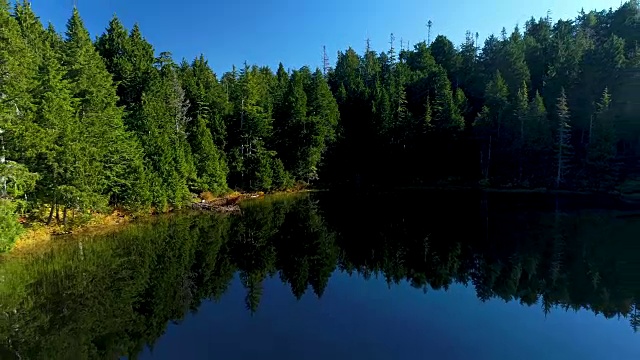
206	98
445	54
323	116
18	66
130	59
564	149
483	127
601	150
108	173
513	65
520	115
18	138
496	96
61	161
461	102
164	137
297	128
446	113
211	168
252	130
539	141
113	46
31	28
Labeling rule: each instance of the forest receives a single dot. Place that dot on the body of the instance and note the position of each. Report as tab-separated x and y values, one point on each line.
86	125
121	290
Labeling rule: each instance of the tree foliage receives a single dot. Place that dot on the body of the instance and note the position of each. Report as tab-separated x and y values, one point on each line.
112	122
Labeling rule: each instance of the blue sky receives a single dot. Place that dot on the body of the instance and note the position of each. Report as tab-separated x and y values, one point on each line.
269	31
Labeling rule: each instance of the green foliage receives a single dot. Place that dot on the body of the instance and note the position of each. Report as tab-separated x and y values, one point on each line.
601	150
211	168
15	179
563	147
109	123
105	173
164	140
10	228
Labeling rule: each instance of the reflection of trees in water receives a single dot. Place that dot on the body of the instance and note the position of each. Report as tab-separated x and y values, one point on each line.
117	293
532	255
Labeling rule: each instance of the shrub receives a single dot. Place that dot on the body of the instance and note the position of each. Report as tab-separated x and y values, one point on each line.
10	228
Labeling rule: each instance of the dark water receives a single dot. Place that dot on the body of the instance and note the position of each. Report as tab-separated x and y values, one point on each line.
329	276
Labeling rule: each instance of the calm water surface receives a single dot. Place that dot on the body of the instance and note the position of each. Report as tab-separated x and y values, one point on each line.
329	276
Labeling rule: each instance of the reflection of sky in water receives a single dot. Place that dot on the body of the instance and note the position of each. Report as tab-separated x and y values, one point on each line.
357	319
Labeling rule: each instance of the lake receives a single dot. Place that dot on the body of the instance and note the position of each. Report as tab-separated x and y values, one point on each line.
398	275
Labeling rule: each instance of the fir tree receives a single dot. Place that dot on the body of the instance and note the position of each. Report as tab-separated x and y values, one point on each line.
601	150
564	149
539	140
211	168
164	138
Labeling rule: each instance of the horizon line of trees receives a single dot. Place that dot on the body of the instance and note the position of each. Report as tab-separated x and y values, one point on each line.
89	124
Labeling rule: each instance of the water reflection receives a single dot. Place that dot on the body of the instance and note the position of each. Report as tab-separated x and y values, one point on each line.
111	295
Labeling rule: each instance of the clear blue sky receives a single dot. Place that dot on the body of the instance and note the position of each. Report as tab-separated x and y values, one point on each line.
266	32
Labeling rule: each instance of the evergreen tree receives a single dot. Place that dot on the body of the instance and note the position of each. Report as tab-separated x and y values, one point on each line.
108	173
445	111
538	142
563	146
164	139
18	138
130	59
324	117
61	161
18	66
521	113
513	66
601	150
206	97
211	168
483	128
252	159
295	127
31	28
496	96
445	54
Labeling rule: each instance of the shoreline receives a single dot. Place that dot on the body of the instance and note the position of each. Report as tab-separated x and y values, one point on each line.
37	233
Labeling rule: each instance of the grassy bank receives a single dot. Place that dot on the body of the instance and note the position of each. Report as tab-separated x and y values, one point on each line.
38	231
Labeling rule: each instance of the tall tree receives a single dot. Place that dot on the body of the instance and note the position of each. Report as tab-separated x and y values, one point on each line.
130	59
521	114
211	168
445	110
445	54
563	145
164	138
206	97
110	173
538	142
601	150
18	138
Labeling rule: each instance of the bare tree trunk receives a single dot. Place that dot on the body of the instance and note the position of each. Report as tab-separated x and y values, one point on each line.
521	157
489	157
559	175
57	214
51	213
64	216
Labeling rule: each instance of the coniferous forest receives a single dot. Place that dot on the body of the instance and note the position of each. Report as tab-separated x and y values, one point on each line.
87	124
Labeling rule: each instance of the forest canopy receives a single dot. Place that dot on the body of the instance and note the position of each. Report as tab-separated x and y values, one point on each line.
86	124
